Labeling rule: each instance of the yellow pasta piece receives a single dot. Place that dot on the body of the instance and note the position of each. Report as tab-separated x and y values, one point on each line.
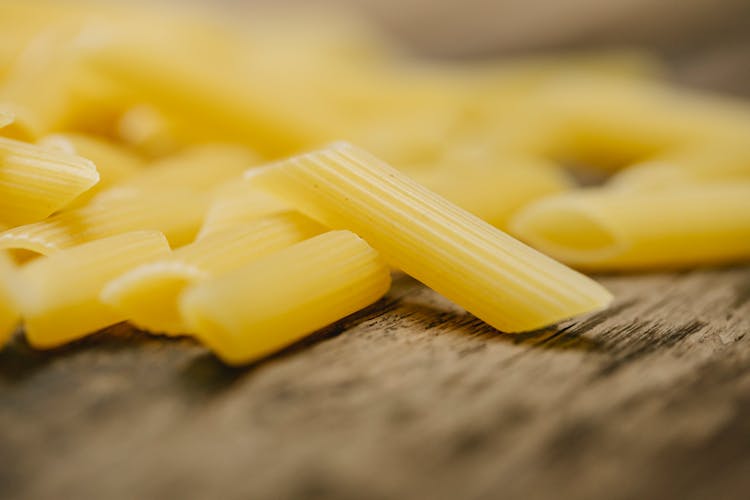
189	82
499	279
9	316
21	22
199	168
612	123
60	299
410	136
35	88
275	301
49	88
409	110
493	192
698	163
606	229
6	118
148	294
114	163
147	130
238	203
36	181
177	214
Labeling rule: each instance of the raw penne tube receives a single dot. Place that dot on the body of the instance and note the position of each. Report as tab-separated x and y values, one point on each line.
60	298
612	123
697	163
148	294
9	315
497	278
177	214
238	203
36	181
493	192
611	230
35	88
198	168
49	88
194	90
114	163
277	300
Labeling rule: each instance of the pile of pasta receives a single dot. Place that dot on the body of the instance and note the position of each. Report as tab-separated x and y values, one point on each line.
197	175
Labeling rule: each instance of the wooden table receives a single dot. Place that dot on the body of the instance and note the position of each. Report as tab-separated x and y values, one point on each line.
412	398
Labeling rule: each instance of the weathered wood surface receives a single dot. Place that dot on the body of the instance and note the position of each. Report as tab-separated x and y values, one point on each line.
412	398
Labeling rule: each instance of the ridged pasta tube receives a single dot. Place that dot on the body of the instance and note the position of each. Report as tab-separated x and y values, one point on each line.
113	162
497	278
177	214
148	294
36	181
612	230
277	300
60	297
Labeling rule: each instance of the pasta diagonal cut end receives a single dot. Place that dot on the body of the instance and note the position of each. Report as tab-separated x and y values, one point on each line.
512	287
568	231
146	295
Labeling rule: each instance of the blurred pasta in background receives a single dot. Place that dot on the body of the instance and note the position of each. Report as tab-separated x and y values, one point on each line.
121	123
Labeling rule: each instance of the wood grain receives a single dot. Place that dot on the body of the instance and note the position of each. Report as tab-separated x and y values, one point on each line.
412	398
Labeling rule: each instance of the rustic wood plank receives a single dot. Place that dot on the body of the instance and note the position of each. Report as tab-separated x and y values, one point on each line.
412	398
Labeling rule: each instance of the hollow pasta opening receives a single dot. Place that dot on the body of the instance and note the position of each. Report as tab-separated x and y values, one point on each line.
572	234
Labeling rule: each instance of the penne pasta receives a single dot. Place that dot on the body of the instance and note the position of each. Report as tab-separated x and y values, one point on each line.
114	163
196	90
418	137
35	88
177	214
49	88
493	192
497	278
611	230
277	300
238	203
199	168
148	294
612	123
698	163
9	316
60	300
36	181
